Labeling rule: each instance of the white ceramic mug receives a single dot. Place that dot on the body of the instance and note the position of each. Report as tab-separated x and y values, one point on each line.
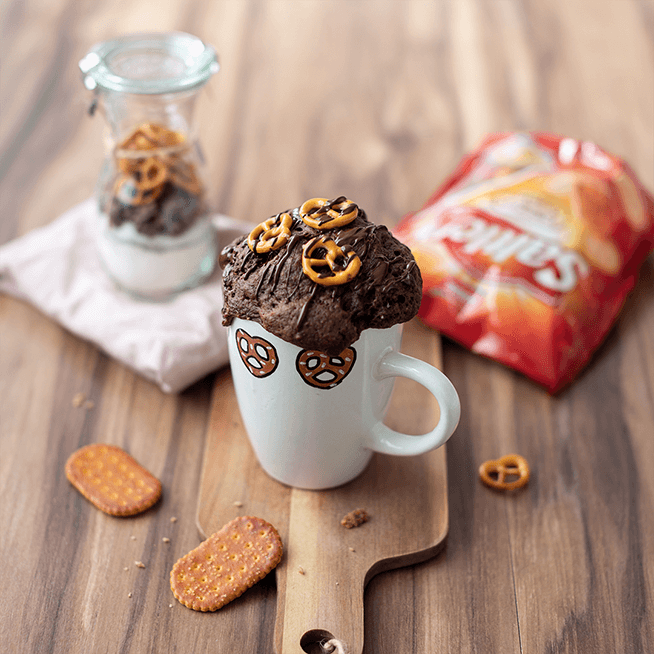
313	420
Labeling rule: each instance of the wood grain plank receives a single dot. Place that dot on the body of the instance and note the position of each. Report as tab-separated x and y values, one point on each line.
378	100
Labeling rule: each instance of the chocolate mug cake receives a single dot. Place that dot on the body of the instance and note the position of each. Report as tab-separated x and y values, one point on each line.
319	274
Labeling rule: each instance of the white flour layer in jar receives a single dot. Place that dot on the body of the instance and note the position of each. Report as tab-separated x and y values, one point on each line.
156	267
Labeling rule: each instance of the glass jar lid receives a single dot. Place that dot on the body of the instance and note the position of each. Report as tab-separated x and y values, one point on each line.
149	63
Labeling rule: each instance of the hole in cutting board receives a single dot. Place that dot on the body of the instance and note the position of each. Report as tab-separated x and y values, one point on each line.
312	641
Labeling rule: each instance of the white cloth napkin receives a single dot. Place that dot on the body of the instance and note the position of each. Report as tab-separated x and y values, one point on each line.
174	343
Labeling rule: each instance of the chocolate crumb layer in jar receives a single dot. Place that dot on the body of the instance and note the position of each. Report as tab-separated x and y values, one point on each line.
155	236
319	274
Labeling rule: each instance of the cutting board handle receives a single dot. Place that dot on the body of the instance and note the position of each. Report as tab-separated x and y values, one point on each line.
319	589
306	630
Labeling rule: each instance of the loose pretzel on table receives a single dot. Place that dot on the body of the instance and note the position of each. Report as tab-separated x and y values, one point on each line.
494	473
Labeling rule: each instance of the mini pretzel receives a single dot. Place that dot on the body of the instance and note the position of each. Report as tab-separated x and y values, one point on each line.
129	192
150	173
495	473
258	355
149	136
128	165
321	213
137	140
270	234
147	172
161	135
342	266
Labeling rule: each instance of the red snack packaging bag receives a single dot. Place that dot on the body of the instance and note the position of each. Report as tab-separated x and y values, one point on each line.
528	251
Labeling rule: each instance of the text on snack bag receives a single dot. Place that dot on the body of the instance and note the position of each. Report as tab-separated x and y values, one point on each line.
556	268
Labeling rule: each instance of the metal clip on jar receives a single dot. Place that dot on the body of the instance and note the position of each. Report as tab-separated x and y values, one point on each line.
155	237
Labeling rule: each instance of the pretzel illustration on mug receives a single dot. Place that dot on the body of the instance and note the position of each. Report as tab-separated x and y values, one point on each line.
258	355
323	371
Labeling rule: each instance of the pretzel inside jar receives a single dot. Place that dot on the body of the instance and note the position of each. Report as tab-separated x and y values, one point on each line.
150	173
327	264
130	192
150	159
142	180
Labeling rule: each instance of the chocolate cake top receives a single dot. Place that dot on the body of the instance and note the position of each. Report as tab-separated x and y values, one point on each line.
318	275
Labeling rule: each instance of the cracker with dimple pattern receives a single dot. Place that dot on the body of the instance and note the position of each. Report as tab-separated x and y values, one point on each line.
225	565
112	480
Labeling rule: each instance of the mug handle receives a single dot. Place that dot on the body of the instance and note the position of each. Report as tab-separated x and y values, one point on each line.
386	440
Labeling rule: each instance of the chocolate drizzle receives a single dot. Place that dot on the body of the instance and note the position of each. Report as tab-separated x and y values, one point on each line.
279	265
305	306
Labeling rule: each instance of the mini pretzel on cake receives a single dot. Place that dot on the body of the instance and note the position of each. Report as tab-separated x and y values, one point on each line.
323	260
271	234
318	274
320	254
321	213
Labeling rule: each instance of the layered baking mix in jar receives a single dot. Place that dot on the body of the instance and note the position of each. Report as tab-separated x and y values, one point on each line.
155	237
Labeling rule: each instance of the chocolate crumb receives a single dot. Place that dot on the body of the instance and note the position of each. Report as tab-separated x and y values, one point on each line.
355	518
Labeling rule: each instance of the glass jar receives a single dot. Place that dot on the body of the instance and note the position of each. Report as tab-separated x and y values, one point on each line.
155	236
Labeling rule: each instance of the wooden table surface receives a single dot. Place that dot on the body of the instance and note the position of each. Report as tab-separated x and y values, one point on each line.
377	101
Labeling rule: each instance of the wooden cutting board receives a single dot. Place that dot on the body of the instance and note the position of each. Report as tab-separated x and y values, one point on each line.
321	579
